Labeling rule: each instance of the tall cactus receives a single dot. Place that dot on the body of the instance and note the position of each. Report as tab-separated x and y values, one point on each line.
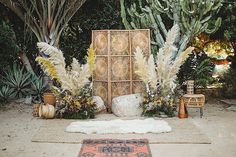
192	16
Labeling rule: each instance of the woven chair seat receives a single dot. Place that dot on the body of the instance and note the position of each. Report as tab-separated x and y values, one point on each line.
194	100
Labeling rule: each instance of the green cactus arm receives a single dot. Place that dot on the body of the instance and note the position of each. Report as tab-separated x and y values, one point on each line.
191	16
130	13
185	23
204	26
140	3
123	15
185	7
161	24
196	28
206	19
208	7
156	5
133	25
218	5
167	3
184	42
217	25
157	18
155	26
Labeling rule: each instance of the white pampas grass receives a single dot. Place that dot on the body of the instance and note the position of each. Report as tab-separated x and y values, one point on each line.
71	78
141	64
162	75
171	35
55	54
152	75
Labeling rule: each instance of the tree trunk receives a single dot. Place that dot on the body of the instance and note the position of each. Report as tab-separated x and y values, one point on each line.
26	62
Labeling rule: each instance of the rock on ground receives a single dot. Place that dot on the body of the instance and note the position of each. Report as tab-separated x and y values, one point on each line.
232	108
127	105
100	104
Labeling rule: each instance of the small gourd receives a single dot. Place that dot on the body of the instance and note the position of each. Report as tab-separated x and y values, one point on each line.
47	111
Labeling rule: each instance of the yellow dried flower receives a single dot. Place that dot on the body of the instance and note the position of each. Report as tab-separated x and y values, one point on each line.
77	104
48	67
91	59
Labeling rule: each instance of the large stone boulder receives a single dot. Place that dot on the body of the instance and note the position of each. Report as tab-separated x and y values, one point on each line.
127	105
100	104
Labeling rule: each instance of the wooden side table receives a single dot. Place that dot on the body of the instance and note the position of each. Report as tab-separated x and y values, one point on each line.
194	101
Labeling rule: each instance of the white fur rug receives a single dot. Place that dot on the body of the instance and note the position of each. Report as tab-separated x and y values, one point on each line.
149	125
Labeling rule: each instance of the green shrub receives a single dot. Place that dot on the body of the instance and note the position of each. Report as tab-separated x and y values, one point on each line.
93	15
18	80
229	84
38	87
228	79
197	67
6	94
8	45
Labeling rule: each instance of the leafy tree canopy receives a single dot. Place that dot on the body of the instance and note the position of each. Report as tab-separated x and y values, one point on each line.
93	15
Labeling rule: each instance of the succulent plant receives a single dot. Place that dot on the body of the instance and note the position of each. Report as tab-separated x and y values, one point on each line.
192	16
38	86
6	93
18	80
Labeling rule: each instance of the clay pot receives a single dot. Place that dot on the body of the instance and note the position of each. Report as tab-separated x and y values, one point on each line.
49	98
221	62
47	111
183	113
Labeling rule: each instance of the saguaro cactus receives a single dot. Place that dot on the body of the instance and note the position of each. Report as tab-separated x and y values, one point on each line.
192	16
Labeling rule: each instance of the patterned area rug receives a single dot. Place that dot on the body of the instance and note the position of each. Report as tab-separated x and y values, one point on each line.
115	148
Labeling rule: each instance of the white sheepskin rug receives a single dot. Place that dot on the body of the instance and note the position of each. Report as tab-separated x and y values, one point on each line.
118	126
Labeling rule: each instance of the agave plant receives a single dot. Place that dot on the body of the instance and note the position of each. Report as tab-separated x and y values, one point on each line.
6	93
18	80
38	86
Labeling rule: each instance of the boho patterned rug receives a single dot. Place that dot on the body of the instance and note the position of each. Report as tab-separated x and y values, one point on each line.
115	148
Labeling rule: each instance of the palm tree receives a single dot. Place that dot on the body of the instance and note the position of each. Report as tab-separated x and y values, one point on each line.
46	18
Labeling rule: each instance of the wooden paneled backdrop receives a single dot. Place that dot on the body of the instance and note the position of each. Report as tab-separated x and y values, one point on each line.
114	69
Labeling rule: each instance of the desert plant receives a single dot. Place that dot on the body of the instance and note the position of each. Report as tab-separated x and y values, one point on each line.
192	16
6	93
160	74
46	19
38	87
17	79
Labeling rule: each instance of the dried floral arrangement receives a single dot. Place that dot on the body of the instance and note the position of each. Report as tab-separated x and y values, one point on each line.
159	75
72	85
